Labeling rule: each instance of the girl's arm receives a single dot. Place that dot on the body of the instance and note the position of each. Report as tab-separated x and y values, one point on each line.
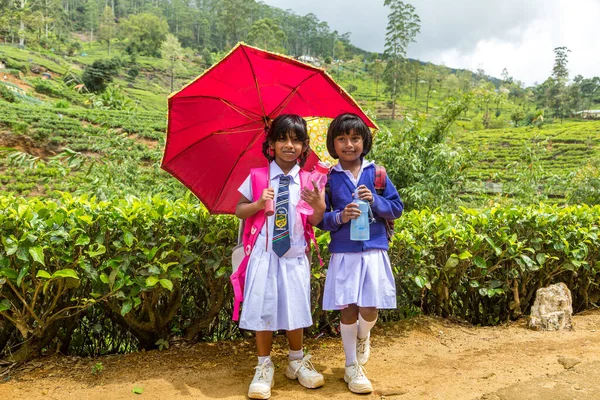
388	205
246	208
316	200
331	220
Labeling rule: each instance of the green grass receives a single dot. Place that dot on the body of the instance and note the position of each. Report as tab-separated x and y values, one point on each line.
50	61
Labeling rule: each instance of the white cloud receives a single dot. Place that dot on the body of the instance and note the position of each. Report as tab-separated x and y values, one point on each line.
517	34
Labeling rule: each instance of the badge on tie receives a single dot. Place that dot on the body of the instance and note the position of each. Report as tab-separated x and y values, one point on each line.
281	235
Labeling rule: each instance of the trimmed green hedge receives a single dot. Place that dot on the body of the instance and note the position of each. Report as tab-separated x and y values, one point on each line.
93	277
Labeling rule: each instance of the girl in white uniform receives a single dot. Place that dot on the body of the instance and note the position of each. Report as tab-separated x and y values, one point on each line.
277	286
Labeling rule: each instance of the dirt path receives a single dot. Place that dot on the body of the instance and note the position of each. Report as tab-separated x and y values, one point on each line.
422	358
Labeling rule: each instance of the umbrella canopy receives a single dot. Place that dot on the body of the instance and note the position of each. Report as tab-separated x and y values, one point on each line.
217	122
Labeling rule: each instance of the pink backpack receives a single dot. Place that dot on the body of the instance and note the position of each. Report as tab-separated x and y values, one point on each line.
249	231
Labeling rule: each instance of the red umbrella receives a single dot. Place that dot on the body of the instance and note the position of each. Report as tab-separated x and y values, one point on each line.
217	122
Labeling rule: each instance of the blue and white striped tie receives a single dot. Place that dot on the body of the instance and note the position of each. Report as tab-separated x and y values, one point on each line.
281	234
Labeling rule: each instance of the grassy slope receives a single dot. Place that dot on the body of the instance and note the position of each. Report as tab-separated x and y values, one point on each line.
560	148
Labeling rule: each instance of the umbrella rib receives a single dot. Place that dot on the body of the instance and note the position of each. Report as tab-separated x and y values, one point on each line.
288	98
256	84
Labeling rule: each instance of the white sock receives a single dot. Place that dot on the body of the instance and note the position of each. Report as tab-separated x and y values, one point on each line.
349	341
295	354
262	359
364	327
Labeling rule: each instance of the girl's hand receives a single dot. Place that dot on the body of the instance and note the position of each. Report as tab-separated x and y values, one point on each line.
267	194
314	198
351	211
365	194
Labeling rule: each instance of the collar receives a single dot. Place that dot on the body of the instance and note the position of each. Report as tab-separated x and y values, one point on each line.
275	171
365	164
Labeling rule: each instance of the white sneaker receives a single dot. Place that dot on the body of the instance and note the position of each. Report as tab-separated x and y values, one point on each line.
357	380
305	372
263	381
363	349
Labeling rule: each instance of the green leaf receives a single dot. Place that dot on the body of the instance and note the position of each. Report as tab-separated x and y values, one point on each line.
128	238
4	305
22	274
420	281
491	243
150	255
99	250
9	273
479	262
151	281
103	278
65	273
10	245
127	306
167	284
209	238
464	255
43	274
137	390
37	253
82	240
452	262
23	254
541	258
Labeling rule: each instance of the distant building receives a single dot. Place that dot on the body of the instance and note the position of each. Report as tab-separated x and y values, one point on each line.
310	60
588	113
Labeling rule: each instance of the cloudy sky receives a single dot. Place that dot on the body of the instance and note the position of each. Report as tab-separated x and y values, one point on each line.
490	34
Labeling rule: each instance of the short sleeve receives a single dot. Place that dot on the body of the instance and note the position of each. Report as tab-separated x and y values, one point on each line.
246	189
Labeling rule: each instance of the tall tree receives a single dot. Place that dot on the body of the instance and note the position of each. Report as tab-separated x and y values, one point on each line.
92	17
22	11
560	74
403	26
430	75
145	32
236	17
172	52
108	26
267	34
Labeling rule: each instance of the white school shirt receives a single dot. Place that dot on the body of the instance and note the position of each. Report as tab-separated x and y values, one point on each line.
364	164
297	241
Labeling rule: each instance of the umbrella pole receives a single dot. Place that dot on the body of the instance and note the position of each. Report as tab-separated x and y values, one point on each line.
269	205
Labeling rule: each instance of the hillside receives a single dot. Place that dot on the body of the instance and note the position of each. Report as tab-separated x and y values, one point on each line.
58	135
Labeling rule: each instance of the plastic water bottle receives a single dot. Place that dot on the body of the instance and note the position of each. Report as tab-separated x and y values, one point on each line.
359	227
319	176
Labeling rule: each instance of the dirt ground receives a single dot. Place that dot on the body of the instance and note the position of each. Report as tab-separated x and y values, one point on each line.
421	358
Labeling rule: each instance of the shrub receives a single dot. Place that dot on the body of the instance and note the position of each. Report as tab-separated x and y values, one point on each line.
75	269
425	169
62	104
47	87
97	76
7	94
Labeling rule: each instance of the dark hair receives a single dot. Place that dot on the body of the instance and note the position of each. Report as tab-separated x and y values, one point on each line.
344	124
281	127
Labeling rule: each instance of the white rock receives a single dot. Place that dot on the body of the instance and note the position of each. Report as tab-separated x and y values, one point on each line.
552	309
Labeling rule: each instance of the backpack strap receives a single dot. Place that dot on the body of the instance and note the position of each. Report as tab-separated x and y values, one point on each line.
252	227
380	179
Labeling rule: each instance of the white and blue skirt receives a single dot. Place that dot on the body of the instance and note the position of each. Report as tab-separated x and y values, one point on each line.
277	290
364	279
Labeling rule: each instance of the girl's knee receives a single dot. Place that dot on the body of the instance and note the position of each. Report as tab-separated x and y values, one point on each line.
368	313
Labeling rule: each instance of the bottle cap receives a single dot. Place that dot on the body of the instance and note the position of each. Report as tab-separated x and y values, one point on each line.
322	167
